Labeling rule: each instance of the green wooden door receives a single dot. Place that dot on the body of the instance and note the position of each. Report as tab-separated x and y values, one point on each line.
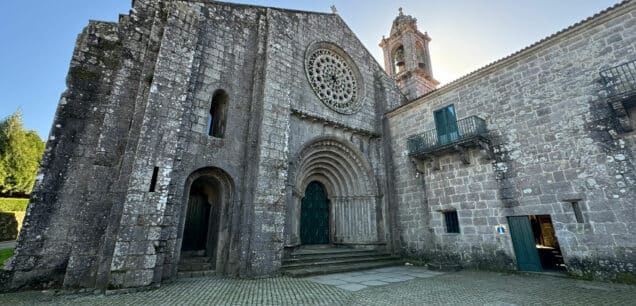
196	223
524	245
314	215
446	125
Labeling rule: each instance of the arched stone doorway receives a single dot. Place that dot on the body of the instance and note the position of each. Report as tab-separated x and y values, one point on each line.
314	215
354	205
200	233
205	220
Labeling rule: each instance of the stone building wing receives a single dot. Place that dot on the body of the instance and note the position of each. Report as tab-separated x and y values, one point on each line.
532	136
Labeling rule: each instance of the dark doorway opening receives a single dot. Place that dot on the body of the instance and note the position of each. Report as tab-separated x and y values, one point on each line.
535	243
547	243
200	233
314	215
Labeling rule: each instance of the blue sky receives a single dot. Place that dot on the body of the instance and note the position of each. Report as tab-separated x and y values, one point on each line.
37	37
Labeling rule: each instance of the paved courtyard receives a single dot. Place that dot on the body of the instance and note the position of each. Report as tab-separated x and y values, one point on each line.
402	286
354	281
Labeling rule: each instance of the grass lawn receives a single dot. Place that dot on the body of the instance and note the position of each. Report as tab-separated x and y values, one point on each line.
5	254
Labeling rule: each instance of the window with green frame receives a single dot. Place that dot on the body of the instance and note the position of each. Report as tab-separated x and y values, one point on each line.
446	125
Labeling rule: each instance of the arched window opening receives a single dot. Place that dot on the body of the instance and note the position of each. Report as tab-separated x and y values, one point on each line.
398	59
421	56
218	114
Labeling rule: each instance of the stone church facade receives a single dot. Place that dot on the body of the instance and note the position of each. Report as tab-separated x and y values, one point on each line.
202	128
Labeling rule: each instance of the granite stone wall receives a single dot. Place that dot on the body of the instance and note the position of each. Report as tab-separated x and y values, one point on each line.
293	116
66	215
8	226
138	100
69	222
554	140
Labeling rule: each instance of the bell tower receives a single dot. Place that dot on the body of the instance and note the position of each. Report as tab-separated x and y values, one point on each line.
407	59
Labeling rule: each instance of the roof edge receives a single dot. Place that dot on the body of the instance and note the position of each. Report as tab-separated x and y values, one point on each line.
515	56
257	7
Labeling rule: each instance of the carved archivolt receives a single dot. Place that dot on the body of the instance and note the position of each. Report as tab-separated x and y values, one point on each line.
350	184
341	168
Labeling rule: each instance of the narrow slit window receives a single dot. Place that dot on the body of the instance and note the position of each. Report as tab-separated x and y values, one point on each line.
153	181
577	212
452	222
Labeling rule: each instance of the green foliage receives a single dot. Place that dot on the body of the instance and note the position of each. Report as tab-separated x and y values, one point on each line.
20	154
10	204
626	278
5	254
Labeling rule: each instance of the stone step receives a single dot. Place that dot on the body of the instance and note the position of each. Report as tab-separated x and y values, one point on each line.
191	274
318	258
200	266
338	268
341	260
328	251
323	261
188	260
198	253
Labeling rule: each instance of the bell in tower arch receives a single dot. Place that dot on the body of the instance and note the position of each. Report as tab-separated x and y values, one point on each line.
406	57
399	59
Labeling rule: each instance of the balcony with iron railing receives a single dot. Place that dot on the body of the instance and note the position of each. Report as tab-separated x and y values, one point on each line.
455	136
620	81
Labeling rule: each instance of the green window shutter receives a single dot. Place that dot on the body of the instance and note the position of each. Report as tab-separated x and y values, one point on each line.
446	125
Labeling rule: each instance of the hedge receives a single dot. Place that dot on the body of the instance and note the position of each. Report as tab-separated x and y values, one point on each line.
13	204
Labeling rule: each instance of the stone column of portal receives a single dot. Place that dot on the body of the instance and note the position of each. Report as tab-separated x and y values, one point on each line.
333	218
294	202
346	221
339	226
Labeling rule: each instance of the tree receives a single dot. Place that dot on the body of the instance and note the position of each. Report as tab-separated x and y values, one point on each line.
20	154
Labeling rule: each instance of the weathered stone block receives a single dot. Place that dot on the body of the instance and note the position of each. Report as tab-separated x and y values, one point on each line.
8	226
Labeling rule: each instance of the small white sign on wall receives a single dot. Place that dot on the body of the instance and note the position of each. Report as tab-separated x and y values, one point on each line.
501	229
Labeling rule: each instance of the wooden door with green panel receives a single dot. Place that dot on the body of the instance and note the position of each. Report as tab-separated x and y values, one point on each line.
196	222
524	244
314	215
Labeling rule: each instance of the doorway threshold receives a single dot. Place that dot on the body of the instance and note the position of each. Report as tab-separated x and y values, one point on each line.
561	274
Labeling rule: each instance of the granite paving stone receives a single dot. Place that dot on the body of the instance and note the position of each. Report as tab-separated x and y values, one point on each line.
352	287
374	283
452	288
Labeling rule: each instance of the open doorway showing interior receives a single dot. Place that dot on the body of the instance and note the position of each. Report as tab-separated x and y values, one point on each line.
206	223
547	243
535	243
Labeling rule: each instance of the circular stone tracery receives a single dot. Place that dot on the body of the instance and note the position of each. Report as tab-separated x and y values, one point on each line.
334	80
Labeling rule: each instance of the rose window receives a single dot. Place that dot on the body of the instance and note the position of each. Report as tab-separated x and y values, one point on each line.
333	80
